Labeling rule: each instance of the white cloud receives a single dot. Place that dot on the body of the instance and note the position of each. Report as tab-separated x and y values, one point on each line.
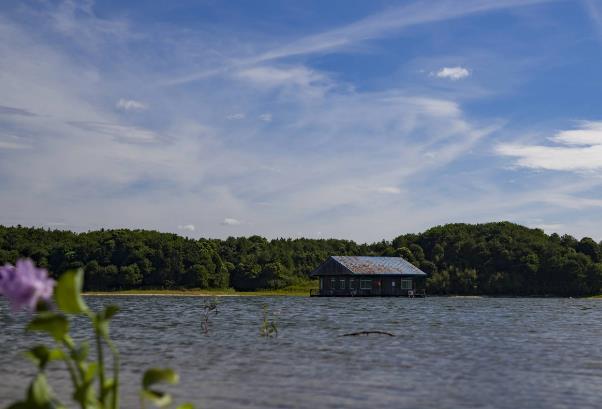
187	227
131	105
582	150
374	26
228	221
551	227
391	20
452	73
596	16
236	116
93	168
267	117
55	224
270	76
118	174
13	143
4	110
122	133
388	189
589	133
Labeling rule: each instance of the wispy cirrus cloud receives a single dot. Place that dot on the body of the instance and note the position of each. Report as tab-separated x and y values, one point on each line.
577	149
352	153
391	20
230	221
297	78
4	110
122	133
595	12
388	189
267	117
236	116
452	73
12	144
372	27
131	105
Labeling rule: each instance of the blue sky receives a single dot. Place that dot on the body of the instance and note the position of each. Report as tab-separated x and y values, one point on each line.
348	119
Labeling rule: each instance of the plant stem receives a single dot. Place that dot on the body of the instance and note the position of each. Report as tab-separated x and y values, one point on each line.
68	343
115	352
101	368
72	372
142	403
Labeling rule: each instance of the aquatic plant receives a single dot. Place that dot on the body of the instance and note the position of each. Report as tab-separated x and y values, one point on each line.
209	307
25	285
268	327
51	304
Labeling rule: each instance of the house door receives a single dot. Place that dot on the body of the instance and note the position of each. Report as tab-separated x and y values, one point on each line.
387	286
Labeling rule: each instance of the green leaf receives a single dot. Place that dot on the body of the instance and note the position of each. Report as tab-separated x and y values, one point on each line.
68	292
79	354
54	324
101	320
185	406
160	399
109	385
41	355
39	393
90	372
110	311
157	375
101	325
86	395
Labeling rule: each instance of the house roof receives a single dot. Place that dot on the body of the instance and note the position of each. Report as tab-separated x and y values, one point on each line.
362	265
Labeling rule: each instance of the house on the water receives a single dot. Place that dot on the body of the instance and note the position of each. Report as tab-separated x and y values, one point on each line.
368	276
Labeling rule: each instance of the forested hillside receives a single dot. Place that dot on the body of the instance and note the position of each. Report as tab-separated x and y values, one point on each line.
494	258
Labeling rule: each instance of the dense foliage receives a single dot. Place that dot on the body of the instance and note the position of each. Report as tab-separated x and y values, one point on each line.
492	258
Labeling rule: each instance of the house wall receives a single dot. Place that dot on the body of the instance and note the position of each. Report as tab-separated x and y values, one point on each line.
379	285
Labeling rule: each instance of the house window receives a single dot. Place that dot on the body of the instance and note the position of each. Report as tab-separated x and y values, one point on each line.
406	284
321	283
333	283
393	284
342	282
365	284
351	284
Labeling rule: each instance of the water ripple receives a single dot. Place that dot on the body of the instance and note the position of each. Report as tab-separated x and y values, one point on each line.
447	352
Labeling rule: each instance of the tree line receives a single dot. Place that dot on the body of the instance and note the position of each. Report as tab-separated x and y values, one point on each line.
493	258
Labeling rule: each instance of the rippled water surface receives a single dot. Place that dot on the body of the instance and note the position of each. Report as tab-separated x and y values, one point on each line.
447	352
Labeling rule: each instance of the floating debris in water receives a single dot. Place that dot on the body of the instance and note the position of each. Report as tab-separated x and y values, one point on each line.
355	334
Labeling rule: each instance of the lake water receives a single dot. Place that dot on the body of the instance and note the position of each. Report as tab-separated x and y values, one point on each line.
447	352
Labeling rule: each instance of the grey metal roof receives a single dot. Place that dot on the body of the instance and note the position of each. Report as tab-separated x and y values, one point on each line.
362	265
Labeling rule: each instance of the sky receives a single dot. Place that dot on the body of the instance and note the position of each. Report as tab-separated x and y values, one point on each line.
324	119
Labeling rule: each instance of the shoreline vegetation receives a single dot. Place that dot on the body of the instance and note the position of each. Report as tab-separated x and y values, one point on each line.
292	291
230	292
494	259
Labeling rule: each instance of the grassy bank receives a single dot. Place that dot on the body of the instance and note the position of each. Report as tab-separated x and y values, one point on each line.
294	290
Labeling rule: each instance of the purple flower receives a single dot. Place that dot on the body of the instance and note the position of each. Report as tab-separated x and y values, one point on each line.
24	285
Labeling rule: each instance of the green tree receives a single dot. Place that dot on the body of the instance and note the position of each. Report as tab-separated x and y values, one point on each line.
438	283
590	248
130	276
405	253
